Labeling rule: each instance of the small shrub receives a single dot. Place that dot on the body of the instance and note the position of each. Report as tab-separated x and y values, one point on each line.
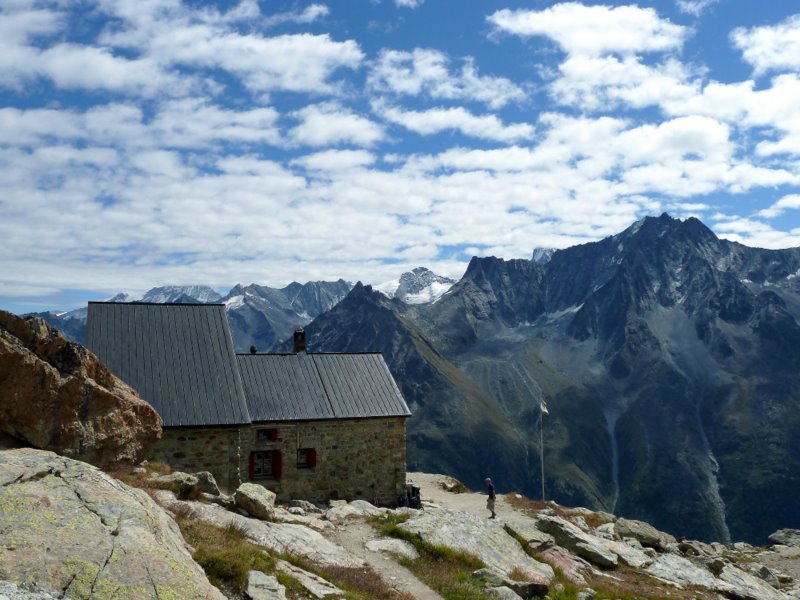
224	553
159	468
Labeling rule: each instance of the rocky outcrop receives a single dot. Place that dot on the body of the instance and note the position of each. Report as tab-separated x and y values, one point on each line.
291	538
787	537
56	395
74	531
482	538
644	533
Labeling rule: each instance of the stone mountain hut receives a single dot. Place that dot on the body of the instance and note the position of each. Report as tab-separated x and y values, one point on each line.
316	426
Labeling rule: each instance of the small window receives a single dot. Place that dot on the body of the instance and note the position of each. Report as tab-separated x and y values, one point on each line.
266	435
306	458
265	465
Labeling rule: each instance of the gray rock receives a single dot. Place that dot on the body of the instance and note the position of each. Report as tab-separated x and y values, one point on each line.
682	572
206	483
393	546
296	510
527	531
257	500
572	538
79	532
606	531
356	508
292	538
786	537
523	589
10	591
748	587
307	506
313	584
489	576
644	532
575	569
264	587
503	592
483	538
183	483
587	594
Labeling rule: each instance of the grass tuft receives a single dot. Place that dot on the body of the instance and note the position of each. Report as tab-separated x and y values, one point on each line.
445	570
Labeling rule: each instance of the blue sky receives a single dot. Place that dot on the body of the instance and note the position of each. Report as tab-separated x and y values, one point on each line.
177	142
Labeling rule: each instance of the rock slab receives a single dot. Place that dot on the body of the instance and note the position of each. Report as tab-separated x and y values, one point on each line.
56	395
69	528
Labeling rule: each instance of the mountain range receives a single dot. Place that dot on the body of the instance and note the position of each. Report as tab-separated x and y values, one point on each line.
668	360
667	357
263	316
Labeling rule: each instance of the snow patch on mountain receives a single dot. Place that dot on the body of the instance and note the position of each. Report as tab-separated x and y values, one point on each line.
171	293
418	286
542	256
234	302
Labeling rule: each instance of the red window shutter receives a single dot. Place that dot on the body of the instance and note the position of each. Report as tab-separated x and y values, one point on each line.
272	434
276	464
252	466
312	458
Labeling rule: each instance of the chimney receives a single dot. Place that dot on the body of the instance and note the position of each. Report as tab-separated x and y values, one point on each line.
299	340
253	350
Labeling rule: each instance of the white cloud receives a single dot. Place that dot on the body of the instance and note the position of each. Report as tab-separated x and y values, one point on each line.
754	233
427	71
408	3
788	202
330	123
335	160
436	120
600	83
307	15
770	47
594	30
694	7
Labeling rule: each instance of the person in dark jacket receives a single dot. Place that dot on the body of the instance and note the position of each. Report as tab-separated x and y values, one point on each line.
492	497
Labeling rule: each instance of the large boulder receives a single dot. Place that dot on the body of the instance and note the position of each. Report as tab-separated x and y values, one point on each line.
646	534
589	547
68	528
56	395
257	500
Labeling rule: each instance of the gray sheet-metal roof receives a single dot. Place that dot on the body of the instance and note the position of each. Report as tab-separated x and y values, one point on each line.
319	386
178	357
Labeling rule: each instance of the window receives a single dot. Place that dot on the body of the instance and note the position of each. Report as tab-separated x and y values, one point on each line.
266	435
265	465
306	458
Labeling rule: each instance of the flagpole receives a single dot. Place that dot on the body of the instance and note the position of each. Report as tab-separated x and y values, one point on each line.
542	412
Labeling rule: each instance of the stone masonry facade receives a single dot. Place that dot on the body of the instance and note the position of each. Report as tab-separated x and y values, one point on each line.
339	459
214	449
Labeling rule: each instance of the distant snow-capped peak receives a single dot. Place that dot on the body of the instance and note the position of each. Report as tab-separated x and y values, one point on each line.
418	286
542	256
171	293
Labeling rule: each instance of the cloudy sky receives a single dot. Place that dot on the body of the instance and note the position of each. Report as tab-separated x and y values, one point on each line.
188	141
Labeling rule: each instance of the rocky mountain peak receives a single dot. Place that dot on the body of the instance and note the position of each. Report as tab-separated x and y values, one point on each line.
542	256
418	286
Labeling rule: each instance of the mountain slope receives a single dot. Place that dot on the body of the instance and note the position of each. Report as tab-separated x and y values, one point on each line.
668	358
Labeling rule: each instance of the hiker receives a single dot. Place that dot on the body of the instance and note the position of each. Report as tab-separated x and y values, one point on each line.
492	497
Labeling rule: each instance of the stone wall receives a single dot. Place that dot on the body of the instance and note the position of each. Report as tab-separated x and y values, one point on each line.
206	449
355	458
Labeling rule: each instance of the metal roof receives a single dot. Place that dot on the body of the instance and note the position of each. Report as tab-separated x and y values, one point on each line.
304	386
178	357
